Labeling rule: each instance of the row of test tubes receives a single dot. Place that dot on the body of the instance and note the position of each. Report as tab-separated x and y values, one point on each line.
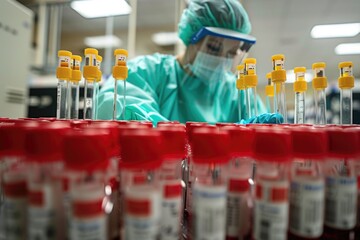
69	77
276	96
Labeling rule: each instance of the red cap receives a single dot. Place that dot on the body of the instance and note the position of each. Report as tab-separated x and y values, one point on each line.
272	145
174	141
114	131
44	142
190	127
167	122
145	123
210	146
241	140
12	138
343	143
87	150
141	149
309	143
223	124
76	124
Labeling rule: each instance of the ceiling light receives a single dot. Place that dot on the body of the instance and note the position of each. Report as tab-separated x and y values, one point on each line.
290	76
103	41
165	38
347	48
335	30
101	8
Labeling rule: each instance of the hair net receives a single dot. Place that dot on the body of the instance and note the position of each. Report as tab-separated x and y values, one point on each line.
228	14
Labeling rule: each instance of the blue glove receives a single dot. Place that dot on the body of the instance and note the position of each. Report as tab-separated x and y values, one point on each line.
271	118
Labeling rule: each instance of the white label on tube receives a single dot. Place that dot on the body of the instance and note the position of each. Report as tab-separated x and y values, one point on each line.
307	207
238	214
209	212
15	217
340	202
143	209
42	214
171	210
271	211
89	228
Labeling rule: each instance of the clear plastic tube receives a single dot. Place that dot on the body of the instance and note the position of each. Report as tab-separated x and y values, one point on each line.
73	100
88	98
280	100
269	103
240	104
346	101
61	106
115	99
95	101
320	106
299	108
251	102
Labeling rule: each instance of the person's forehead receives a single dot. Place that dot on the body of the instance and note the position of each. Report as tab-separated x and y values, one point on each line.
226	42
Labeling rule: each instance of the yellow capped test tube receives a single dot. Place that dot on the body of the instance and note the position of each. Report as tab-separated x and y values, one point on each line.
120	72
269	92
90	73
240	85
251	81
96	87
300	87
278	77
346	83
63	74
73	88
319	84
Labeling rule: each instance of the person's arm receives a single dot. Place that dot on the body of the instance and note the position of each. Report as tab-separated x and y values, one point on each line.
141	97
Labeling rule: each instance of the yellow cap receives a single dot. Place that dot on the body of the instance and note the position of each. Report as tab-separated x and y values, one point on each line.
346	82
251	80
240	84
76	76
300	69
63	73
319	65
345	64
99	58
64	53
278	57
319	83
278	75
269	90
121	52
268	75
250	61
300	86
120	72
91	51
90	73
76	58
240	67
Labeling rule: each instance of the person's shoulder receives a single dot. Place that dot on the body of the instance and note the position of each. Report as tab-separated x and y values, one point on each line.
151	61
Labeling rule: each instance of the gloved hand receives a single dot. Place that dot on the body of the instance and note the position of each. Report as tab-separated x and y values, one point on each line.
271	118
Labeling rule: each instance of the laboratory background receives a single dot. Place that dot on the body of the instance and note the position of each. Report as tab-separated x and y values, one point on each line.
180	119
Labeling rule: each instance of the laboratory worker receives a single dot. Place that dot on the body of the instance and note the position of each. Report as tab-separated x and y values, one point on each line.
198	85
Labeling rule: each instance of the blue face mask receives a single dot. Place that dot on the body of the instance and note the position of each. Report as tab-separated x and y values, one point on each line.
209	68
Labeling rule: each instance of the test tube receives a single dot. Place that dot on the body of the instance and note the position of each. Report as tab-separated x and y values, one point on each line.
272	152
96	88
278	77
63	74
210	149
141	159
43	147
269	91
307	183
170	177
251	81
300	88
341	184
73	88
86	164
240	85
346	84
120	72
319	84
240	180
90	73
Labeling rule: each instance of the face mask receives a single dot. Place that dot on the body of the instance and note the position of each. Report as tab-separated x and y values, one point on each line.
210	68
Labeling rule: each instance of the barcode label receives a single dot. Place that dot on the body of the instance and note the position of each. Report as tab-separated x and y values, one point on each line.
306	207
341	202
89	229
15	217
265	230
209	212
238	215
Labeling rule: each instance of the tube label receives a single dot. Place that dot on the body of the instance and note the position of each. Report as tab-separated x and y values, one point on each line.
307	207
209	208
89	228
340	202
271	211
